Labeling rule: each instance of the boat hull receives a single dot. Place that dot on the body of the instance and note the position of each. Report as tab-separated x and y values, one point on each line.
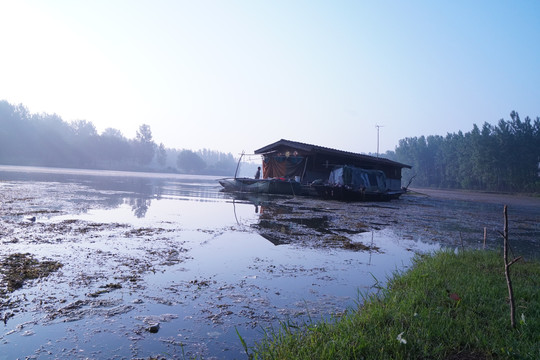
262	186
342	193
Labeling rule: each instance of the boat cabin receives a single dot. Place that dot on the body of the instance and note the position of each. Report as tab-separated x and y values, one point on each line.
308	163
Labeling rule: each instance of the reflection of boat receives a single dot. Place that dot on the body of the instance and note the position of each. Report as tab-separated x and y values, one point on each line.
252	198
350	183
266	186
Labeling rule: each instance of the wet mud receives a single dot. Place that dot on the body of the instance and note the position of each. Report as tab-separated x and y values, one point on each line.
432	216
131	280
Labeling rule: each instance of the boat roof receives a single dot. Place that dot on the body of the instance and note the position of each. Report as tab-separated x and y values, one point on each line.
327	151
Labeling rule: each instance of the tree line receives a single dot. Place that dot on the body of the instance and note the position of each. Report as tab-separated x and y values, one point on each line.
504	157
47	140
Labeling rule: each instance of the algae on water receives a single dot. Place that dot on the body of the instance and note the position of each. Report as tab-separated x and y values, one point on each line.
16	268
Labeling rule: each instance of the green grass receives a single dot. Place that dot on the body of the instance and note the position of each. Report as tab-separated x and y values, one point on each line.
417	307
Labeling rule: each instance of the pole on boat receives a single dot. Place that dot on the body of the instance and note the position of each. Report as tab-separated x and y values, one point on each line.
238	165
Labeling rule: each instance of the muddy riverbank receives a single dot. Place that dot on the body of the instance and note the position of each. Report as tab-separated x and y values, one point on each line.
146	266
519	200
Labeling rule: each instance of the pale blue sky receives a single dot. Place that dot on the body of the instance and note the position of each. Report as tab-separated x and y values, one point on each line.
238	75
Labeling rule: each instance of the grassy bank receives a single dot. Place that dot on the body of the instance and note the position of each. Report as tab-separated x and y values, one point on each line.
449	306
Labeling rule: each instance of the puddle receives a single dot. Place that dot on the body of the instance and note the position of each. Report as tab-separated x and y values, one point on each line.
168	265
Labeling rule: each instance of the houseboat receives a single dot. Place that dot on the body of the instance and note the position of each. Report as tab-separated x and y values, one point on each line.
296	168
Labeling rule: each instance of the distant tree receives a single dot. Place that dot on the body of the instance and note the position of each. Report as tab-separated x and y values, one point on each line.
501	158
21	112
51	142
161	155
190	162
83	128
85	143
226	165
13	133
217	163
110	132
144	145
115	150
144	134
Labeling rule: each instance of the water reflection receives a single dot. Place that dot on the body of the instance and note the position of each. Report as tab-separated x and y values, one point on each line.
202	262
139	206
117	188
445	222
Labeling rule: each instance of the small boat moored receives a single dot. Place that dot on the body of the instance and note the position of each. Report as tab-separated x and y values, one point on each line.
266	186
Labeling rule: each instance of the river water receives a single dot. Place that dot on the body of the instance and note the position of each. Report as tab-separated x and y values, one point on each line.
168	265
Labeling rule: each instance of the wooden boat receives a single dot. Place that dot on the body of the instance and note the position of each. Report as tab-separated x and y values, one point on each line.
263	186
245	185
280	186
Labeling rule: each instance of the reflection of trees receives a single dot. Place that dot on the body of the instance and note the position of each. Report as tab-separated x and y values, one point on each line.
114	201
145	188
140	206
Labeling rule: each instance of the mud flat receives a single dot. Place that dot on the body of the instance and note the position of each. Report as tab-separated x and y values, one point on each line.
134	267
479	196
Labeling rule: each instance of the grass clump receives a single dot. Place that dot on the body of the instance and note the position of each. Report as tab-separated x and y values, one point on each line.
448	306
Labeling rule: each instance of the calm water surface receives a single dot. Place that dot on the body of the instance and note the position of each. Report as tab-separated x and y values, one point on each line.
204	268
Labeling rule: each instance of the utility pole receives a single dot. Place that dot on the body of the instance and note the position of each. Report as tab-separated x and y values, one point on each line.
378	128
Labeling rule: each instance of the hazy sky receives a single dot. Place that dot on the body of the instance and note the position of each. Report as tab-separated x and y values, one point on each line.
238	75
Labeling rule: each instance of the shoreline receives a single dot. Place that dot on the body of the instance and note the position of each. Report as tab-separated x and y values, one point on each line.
478	196
466	318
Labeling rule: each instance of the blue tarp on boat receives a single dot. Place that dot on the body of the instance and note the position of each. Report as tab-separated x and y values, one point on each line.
358	179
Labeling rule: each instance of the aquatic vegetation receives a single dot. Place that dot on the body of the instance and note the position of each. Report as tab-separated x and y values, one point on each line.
17	268
195	268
